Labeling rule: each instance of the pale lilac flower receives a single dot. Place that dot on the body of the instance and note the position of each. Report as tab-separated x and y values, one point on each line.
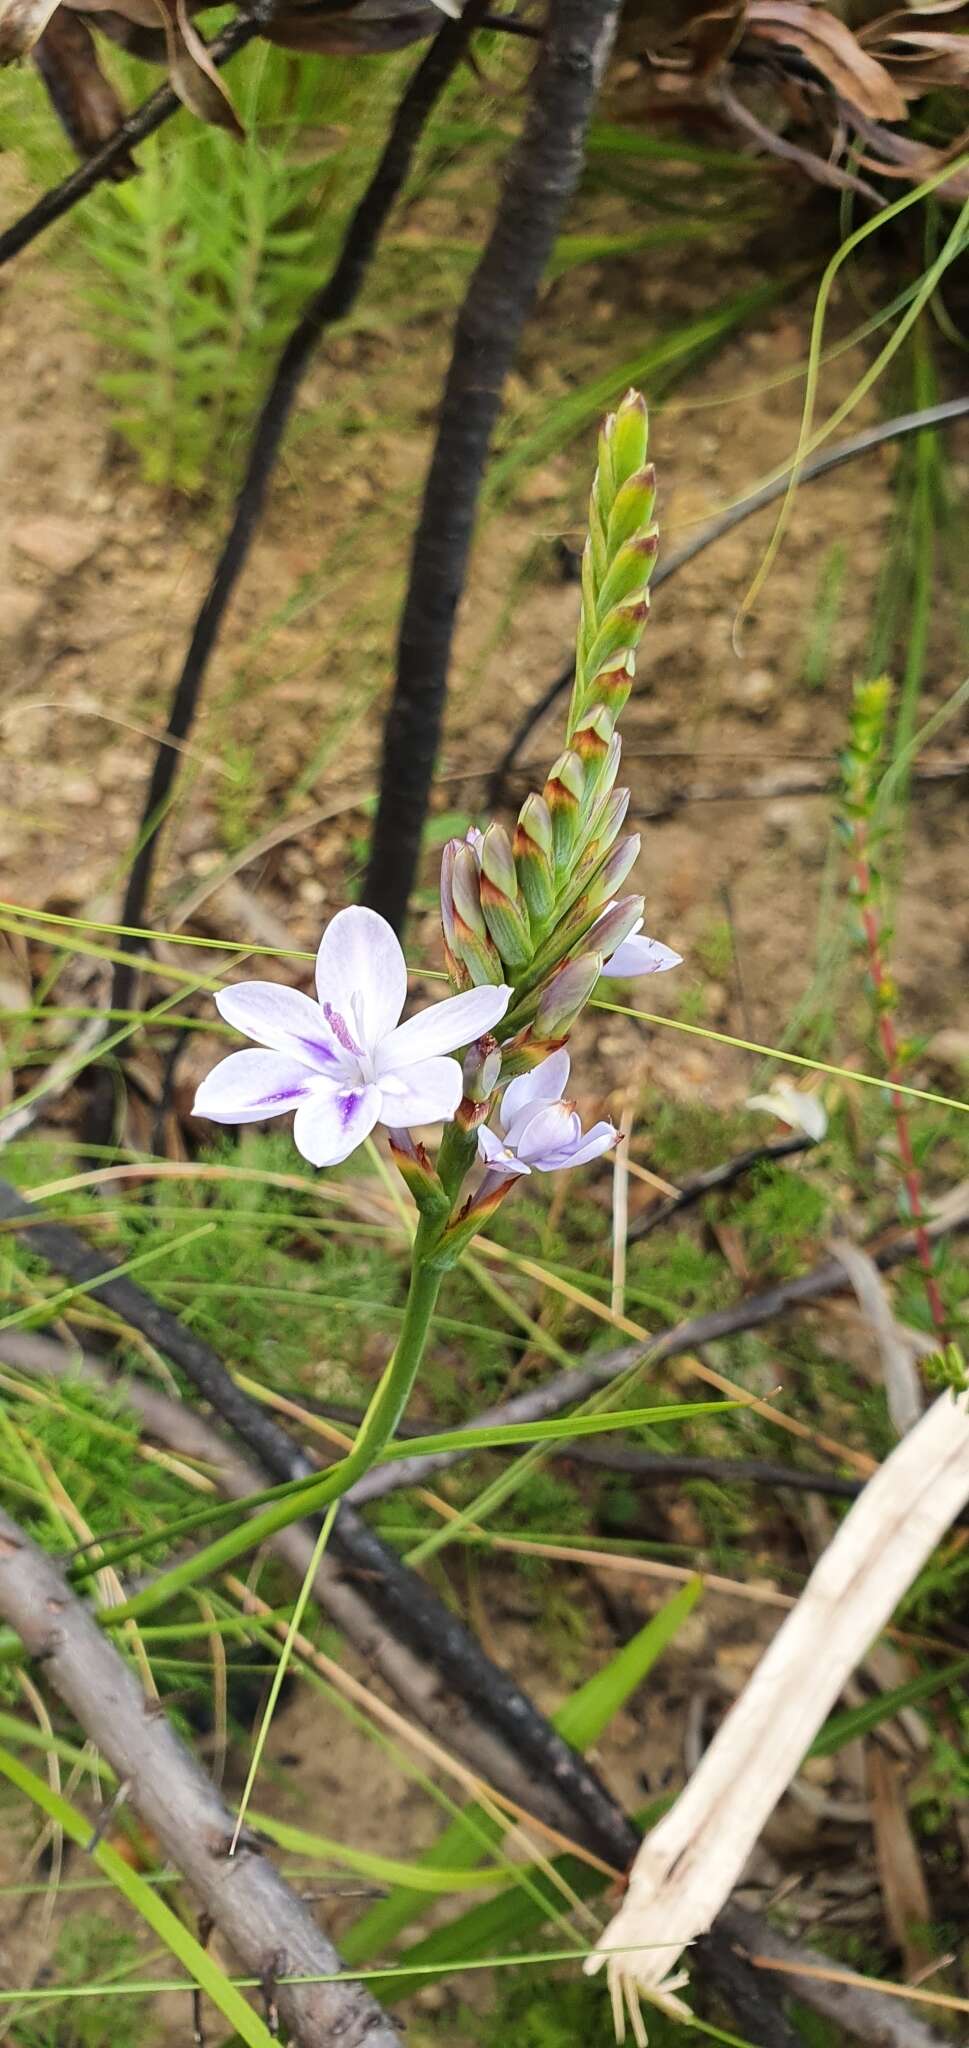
539	1132
345	1063
640	955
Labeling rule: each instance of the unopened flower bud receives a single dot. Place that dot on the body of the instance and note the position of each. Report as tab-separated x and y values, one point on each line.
632	510
458	974
415	1169
501	900
497	860
469	945
614	684
533	848
466	888
535	819
630	571
565	996
447	900
563	794
481	1069
591	740
609	877
619	634
614	925
628	433
607	821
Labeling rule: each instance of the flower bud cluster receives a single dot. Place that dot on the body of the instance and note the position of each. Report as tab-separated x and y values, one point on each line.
541	908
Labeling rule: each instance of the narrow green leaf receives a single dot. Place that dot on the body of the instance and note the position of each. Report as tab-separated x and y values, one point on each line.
392	1870
200	1966
842	1728
489	1438
583	1717
498	1925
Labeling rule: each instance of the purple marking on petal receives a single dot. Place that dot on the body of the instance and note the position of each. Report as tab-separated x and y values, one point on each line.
321	1055
338	1026
280	1095
349	1104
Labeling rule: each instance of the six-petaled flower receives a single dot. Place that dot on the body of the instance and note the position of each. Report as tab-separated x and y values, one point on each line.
539	1132
345	1062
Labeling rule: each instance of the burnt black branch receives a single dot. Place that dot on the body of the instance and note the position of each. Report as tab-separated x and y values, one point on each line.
332	302
113	154
540	178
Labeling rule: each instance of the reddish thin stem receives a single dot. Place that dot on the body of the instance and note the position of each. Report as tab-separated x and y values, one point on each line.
881	983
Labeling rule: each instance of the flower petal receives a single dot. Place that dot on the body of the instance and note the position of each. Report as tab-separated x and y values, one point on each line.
284	1020
599	1138
794	1106
496	1156
422	1094
334	1121
549	1135
640	956
361	975
458	1020
544	1083
250	1086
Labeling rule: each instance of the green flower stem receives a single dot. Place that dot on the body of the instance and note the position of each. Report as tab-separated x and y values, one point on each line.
459	1149
378	1426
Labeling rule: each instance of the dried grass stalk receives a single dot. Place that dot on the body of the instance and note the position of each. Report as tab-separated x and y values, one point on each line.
689	1865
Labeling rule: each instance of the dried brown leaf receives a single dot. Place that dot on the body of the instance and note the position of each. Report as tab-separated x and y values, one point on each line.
899	157
715	35
22	23
903	1391
84	100
191	70
830	49
366	29
905	1894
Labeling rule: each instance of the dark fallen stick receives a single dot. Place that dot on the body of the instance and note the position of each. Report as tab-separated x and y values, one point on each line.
724	522
722	1176
858	2009
270	1929
540	178
139	125
332	302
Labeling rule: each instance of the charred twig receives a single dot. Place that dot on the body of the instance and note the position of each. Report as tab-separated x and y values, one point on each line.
723	523
722	1176
245	1897
112	154
332	302
540	179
